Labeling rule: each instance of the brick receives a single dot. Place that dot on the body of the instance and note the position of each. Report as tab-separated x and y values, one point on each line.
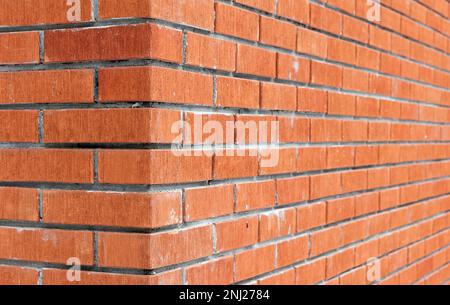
326	19
366	155
354	131
282	278
293	129
264	5
277	161
215	272
46	165
137	41
311	159
277	224
292	190
46	87
292	251
312	100
144	251
340	50
235	92
367	203
19	126
19	48
41	12
311	216
341	104
293	68
325	240
340	262
112	209
236	22
202	203
19	204
235	234
251	196
326	74
59	277
326	130
12	275
367	58
297	10
235	164
131	84
340	209
46	245
191	12
256	61
254	262
340	156
355	180
278	33
110	126
355	80
379	131
355	29
140	165
278	97
367	107
312	43
207	52
311	273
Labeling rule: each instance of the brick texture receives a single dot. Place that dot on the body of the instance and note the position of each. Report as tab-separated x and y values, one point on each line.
224	142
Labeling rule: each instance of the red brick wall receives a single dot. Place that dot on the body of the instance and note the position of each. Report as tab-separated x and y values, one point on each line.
92	95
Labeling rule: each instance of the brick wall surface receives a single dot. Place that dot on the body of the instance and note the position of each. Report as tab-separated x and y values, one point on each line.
91	171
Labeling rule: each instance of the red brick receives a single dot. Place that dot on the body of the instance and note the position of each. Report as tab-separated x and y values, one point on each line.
278	97
367	58
19	204
19	48
277	224
251	196
292	190
40	12
366	155
340	209
367	107
312	158
45	245
237	22
235	92
341	104
215	272
311	273
46	165
297	10
326	74
110	126
235	163
312	100
256	61
59	277
45	87
292	251
379	131
326	19
355	29
112	209
325	185
282	278
126	250
211	53
355	80
202	203
326	130
340	50
254	262
136	41
12	275
340	156
293	129
130	84
277	161
311	216
355	180
264	5
325	240
312	43
197	13
278	33
354	131
293	68
19	126
340	262
238	233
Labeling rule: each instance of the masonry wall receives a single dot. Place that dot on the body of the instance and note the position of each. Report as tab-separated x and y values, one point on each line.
90	92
